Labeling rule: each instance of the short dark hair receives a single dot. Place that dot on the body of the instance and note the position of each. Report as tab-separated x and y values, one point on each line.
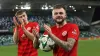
58	6
19	12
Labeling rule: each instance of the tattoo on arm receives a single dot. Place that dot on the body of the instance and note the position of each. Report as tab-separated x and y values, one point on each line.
67	45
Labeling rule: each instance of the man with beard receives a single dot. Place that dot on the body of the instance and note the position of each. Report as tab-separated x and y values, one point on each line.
64	34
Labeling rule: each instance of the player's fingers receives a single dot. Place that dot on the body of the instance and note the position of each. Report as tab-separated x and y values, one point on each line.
34	34
34	31
15	21
45	26
46	29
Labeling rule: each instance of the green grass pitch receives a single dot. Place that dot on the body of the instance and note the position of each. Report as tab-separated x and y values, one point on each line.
85	48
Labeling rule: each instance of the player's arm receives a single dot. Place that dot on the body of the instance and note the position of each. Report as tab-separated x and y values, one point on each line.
36	39
15	36
33	36
29	34
36	43
67	45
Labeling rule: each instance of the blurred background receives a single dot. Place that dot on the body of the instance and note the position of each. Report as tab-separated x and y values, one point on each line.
85	13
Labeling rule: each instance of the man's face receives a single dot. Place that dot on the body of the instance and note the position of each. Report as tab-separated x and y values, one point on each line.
22	17
59	15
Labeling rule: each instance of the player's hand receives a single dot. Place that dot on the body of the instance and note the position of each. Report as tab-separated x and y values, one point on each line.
35	32
15	22
47	28
23	24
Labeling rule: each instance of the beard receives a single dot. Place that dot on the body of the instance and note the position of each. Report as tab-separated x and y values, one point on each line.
59	20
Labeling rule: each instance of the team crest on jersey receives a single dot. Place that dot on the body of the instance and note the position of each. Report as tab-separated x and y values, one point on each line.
64	33
29	28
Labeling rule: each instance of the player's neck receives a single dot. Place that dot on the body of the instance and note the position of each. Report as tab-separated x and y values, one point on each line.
61	25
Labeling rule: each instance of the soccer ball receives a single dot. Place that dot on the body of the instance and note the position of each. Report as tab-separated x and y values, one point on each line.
46	43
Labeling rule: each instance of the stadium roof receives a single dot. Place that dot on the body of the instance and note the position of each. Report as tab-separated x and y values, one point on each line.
36	4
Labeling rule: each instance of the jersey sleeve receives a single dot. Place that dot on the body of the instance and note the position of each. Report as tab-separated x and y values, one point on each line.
36	25
74	32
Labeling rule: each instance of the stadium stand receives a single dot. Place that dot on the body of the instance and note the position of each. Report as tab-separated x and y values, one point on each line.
6	40
6	23
87	34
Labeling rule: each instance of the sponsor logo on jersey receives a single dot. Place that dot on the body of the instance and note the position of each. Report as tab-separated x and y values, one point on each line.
74	32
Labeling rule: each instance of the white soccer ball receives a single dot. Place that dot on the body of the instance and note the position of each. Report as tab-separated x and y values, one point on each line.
46	43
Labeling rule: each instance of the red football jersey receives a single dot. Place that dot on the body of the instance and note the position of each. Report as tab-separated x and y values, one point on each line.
25	45
69	30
